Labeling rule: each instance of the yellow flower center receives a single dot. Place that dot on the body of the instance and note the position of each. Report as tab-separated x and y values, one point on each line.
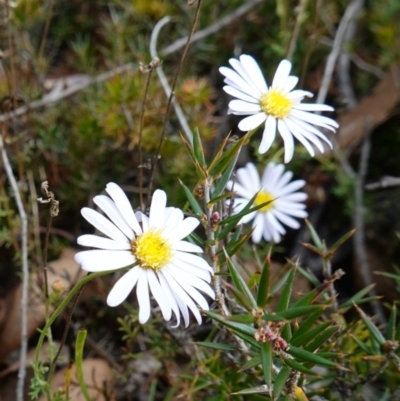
152	250
275	104
263	197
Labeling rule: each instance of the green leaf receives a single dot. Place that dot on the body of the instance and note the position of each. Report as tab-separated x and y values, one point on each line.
315	237
309	276
234	247
263	286
198	148
80	344
253	390
375	332
239	282
309	335
299	367
339	242
266	361
219	165
356	297
315	359
308	323
219	346
200	170
219	198
362	345
192	200
236	327
280	381
255	361
284	299
224	178
321	339
293	313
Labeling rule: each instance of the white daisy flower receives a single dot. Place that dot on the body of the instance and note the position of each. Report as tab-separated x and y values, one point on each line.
153	250
278	106
285	202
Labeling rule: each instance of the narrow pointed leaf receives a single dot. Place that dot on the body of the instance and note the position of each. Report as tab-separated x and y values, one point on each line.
280	381
340	241
218	346
284	299
309	335
307	356
309	276
375	332
219	198
198	148
356	297
236	327
80	344
253	390
293	313
192	200
266	361
362	345
315	237
321	338
255	361
263	285
299	367
239	282
308	323
200	170
225	177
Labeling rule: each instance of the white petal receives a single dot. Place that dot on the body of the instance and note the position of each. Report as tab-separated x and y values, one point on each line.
258	225
123	287
315	119
287	220
241	70
287	139
283	180
281	74
172	218
182	295
194	260
171	299
268	135
102	224
300	213
183	229
191	280
296	132
95	241
189	289
238	82
291	187
308	128
275	223
252	122
111	210
299	95
240	190
244	107
185	246
180	303
254	72
124	206
142	293
296	197
282	205
291	82
193	270
141	217
313	107
239	94
157	208
100	260
159	295
249	179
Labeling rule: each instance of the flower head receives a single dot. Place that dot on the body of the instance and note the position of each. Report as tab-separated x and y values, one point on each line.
274	187
278	106
153	250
